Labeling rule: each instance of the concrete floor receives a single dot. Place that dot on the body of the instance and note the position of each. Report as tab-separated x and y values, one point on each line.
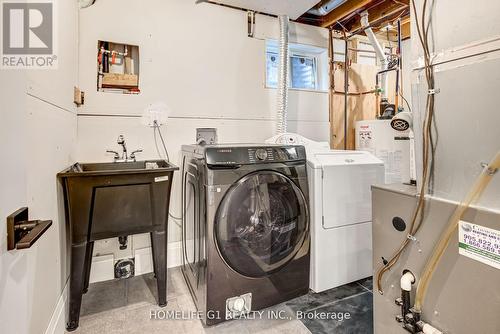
125	306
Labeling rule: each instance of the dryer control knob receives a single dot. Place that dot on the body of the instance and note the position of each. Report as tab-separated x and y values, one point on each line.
261	154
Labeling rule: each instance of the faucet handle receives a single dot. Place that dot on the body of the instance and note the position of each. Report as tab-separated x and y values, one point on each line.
120	140
132	155
116	157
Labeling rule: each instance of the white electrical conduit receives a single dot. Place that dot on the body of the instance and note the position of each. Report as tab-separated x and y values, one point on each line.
475	192
384	84
283	77
428	329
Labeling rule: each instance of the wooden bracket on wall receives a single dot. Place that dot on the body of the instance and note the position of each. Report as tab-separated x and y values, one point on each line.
21	232
78	96
251	23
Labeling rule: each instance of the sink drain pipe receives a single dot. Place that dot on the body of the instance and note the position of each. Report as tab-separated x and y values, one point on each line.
283	77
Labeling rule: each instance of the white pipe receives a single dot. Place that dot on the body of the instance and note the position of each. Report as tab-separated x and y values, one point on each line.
428	329
406	281
283	76
86	3
384	62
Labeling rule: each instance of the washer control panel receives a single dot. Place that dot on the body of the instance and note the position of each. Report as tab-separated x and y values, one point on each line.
242	155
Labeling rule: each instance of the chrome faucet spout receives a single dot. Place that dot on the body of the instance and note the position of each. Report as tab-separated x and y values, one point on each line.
121	141
124	157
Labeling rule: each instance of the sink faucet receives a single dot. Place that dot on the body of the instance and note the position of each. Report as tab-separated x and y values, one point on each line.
124	157
121	141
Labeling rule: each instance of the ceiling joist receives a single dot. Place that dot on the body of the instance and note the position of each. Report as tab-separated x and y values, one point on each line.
381	13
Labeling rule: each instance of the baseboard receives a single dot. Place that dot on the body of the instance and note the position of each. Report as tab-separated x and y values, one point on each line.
57	324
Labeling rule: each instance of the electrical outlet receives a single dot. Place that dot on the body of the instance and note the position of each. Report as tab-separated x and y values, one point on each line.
155	114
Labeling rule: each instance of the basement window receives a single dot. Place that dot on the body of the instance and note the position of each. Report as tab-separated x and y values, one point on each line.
306	66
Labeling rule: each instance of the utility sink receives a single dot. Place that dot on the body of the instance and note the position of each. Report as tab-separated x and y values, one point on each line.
113	168
117	199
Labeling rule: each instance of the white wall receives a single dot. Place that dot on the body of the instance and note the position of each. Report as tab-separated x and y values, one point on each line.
199	61
37	140
466	107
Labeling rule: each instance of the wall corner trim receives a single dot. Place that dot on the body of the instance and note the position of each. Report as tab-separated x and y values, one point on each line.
57	321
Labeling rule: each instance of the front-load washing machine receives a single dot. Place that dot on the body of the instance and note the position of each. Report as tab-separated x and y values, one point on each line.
245	228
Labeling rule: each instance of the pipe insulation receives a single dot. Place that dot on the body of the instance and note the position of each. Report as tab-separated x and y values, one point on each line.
384	62
283	77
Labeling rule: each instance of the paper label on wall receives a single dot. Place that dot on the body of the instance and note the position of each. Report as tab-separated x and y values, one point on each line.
479	243
366	141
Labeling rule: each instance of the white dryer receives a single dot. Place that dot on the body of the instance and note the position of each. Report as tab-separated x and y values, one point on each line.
341	211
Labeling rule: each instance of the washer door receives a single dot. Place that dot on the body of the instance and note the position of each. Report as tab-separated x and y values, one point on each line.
261	223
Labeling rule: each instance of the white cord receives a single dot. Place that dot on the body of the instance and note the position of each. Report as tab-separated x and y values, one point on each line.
157	127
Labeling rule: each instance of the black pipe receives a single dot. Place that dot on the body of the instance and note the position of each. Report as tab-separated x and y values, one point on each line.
385	71
405	302
400	68
123	242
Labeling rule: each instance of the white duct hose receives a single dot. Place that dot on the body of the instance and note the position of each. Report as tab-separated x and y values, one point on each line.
283	66
384	84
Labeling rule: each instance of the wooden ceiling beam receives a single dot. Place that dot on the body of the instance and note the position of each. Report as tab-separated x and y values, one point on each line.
342	11
405	28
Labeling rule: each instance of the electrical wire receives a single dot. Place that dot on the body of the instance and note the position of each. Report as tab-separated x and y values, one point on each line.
428	146
406	101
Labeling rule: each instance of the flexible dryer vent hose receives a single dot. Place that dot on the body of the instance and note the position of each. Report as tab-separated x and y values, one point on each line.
283	77
475	192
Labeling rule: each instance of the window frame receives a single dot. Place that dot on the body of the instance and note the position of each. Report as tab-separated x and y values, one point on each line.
302	51
315	70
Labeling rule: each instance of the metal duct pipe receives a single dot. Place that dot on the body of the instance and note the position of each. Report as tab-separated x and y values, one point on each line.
326	8
283	77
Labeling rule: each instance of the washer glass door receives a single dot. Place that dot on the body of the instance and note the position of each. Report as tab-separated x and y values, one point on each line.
261	223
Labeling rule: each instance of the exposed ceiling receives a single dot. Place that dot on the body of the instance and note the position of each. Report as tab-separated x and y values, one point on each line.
344	15
292	8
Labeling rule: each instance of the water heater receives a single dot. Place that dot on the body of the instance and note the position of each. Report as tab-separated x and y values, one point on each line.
387	144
